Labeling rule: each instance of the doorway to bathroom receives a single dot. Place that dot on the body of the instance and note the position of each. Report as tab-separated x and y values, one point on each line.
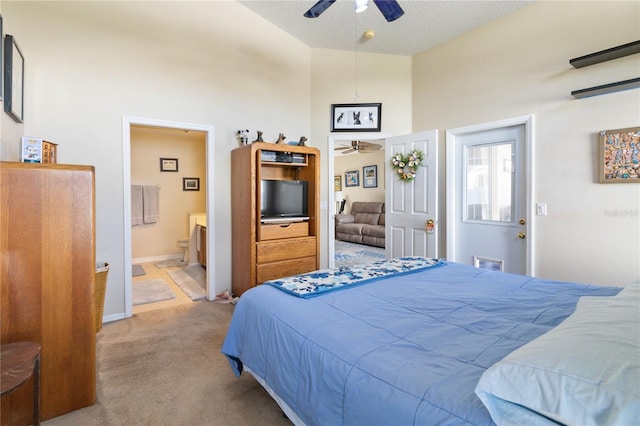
168	165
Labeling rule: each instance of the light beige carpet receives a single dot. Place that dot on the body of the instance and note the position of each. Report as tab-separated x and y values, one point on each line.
165	367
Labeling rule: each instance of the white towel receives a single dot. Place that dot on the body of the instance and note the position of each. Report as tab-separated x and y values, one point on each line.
136	205
151	203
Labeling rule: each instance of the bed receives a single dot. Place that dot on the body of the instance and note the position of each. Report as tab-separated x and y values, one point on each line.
415	341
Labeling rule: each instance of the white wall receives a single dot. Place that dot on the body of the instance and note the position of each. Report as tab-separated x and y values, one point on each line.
87	64
520	65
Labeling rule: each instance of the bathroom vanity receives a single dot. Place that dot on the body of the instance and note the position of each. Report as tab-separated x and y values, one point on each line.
202	244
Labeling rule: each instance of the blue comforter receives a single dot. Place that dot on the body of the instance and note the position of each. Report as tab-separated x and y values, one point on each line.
405	350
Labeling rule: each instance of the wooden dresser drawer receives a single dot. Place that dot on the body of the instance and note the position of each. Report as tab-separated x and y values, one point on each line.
292	248
285	268
276	231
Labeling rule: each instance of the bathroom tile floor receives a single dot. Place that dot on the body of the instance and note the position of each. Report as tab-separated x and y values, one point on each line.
153	272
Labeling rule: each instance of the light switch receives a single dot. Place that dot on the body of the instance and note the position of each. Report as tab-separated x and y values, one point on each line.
541	209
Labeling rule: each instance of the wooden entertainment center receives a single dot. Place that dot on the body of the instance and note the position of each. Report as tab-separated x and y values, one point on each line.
266	251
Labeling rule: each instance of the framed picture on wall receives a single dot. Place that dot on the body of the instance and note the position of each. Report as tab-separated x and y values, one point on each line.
1	60
337	183
356	117
13	79
191	184
618	163
352	178
370	176
168	164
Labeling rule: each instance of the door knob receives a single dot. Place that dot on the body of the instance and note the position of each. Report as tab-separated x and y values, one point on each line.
430	226
522	235
522	221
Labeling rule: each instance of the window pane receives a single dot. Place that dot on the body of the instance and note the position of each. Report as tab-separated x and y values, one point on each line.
489	182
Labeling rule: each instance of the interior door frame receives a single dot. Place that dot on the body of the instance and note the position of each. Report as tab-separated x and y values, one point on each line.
127	122
331	143
451	151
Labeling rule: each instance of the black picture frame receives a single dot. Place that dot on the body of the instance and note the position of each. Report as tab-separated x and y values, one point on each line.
1	60
191	184
370	176
13	79
168	164
352	178
356	117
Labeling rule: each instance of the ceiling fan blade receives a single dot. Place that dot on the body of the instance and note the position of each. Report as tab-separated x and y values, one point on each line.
389	8
363	143
318	8
350	151
374	147
342	147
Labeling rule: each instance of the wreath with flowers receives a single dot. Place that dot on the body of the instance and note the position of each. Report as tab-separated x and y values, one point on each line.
406	166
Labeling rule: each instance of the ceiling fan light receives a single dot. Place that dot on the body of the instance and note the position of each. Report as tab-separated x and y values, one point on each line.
361	5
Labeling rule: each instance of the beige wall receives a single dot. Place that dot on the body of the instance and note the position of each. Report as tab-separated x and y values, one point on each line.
148	145
88	64
381	78
344	163
520	65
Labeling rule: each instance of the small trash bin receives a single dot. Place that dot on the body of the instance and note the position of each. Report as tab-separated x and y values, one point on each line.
102	269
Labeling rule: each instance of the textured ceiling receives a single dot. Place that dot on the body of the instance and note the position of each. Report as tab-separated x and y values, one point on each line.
425	23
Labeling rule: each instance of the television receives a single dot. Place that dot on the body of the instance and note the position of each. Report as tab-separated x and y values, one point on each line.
284	199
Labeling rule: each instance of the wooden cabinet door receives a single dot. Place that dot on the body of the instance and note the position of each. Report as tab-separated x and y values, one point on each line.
47	282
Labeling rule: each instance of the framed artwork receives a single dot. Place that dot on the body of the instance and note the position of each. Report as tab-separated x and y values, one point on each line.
356	117
191	184
352	178
168	164
13	79
337	183
1	59
619	156
370	176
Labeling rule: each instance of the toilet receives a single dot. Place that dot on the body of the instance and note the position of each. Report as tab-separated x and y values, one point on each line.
183	243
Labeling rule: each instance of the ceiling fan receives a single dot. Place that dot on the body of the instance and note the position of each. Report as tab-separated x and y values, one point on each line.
359	147
389	8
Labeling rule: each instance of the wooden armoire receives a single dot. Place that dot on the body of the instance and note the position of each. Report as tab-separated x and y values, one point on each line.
47	242
265	251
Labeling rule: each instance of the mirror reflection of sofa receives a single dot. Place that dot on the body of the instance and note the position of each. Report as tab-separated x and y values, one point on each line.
363	225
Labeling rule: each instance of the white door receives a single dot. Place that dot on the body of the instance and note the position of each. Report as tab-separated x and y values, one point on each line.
411	208
488	212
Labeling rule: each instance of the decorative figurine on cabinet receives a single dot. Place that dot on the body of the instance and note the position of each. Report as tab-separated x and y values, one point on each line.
302	141
259	138
243	136
281	138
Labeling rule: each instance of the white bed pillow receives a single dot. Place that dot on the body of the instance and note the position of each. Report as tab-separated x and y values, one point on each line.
585	371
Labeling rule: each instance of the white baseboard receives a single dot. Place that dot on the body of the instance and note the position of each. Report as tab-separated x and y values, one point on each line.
113	317
157	258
